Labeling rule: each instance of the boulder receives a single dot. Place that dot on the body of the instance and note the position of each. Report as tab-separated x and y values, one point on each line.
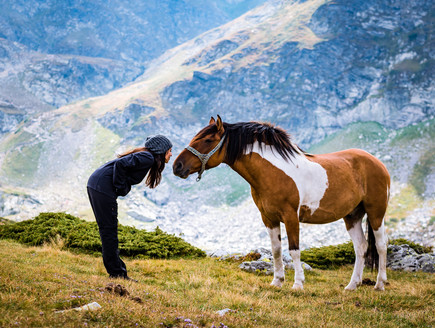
264	264
404	257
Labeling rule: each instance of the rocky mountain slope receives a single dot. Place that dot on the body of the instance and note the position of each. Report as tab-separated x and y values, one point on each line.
53	53
314	67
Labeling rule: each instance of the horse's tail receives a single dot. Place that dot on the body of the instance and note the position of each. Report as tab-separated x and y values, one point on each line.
372	256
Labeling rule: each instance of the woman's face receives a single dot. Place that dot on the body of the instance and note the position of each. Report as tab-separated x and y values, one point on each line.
168	155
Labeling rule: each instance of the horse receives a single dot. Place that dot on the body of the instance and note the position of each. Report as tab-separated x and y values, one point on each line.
291	186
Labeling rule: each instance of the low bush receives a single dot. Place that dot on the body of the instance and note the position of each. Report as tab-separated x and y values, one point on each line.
329	257
84	236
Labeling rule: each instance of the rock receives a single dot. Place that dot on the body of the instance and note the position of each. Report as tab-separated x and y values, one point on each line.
140	217
264	264
88	307
403	257
220	253
426	262
224	311
261	266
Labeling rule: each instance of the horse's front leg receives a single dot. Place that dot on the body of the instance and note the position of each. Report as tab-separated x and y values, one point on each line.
278	273
292	227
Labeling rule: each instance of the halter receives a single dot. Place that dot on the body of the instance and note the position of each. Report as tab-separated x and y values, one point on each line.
204	157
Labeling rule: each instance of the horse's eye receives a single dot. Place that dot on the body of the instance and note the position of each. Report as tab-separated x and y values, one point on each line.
208	140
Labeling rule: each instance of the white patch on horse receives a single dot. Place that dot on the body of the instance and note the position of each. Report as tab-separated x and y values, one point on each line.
310	178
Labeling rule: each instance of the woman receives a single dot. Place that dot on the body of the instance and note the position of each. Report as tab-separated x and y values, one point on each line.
114	179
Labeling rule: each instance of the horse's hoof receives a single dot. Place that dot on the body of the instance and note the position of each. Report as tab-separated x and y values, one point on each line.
277	282
380	287
351	286
297	286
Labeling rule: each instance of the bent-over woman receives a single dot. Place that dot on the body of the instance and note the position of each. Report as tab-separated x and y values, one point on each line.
114	179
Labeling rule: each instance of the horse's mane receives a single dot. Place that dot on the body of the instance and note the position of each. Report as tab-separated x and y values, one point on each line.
240	137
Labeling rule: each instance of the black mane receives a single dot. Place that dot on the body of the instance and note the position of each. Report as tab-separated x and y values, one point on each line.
240	137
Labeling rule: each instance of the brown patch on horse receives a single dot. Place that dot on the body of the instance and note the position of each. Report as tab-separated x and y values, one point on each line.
354	176
304	214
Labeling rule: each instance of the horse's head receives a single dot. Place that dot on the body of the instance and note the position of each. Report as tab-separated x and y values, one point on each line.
204	151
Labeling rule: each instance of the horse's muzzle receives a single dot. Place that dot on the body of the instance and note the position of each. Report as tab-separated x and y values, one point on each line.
179	170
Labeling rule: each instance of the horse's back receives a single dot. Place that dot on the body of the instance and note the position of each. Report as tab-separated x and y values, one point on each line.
368	165
357	160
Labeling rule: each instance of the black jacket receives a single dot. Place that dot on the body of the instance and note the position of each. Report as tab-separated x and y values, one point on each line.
116	177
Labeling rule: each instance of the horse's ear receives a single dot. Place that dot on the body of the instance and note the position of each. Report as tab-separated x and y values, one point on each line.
212	121
219	124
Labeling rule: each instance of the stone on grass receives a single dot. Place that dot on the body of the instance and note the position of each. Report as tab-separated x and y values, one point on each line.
264	265
403	257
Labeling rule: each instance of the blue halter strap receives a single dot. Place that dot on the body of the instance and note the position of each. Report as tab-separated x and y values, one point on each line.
205	157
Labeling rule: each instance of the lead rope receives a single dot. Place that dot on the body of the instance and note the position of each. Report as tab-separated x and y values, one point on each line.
204	157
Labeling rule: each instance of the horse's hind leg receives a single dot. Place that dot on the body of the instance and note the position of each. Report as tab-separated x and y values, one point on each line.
278	273
381	247
375	216
375	204
354	228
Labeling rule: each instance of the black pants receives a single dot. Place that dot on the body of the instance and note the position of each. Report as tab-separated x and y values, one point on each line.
106	212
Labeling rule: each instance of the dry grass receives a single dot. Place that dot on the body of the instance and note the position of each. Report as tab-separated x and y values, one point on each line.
37	281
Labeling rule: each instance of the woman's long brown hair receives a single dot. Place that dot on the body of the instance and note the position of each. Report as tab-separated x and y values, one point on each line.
155	173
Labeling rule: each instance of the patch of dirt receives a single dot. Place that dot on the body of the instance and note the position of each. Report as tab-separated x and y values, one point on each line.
368	282
120	290
117	289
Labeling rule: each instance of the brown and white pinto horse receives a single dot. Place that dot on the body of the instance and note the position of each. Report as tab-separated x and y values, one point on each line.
291	186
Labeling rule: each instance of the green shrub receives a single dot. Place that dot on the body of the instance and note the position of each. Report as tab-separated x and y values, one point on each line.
420	249
43	228
328	257
84	236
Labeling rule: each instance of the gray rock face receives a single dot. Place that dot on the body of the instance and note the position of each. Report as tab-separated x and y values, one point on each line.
405	258
10	117
375	64
10	203
54	53
123	122
134	30
33	82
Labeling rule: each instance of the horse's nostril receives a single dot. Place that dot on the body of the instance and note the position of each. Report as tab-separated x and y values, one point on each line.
177	167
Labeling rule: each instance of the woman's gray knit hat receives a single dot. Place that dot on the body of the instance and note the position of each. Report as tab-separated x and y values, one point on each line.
158	144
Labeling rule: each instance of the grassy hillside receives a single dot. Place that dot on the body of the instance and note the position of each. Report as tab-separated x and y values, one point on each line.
188	293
